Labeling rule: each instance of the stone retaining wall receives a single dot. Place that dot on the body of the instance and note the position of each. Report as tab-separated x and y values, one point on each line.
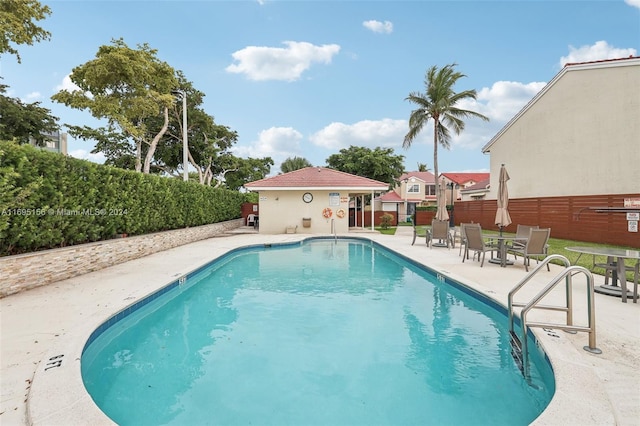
30	270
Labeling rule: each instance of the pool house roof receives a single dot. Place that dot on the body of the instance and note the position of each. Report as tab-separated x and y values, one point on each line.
318	178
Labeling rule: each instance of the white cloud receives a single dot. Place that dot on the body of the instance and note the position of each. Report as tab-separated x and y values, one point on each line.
277	63
385	27
633	3
67	84
85	155
381	133
503	99
600	50
33	96
275	142
500	102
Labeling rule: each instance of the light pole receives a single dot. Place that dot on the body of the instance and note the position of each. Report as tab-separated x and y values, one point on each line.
185	146
452	223
406	204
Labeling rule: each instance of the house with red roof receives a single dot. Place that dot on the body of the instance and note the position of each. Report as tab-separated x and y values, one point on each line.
478	191
412	189
314	200
458	181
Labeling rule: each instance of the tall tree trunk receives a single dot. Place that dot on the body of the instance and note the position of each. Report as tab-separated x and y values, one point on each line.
154	143
197	167
138	155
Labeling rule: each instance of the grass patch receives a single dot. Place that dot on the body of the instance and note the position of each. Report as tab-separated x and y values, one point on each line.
557	246
389	231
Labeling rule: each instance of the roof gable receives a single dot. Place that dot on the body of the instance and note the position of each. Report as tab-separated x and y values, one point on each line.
426	177
317	178
569	67
463	178
483	185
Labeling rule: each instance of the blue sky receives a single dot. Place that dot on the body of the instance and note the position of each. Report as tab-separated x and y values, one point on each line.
308	78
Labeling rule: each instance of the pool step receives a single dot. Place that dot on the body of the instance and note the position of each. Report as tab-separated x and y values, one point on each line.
516	350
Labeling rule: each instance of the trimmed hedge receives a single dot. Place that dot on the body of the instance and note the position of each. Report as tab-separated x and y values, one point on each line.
48	200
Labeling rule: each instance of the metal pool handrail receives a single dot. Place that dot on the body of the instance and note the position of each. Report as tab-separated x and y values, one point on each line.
567	274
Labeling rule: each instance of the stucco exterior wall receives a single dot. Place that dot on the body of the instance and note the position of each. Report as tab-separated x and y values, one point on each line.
282	209
581	137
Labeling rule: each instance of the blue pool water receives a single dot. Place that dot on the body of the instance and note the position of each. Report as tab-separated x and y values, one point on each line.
317	333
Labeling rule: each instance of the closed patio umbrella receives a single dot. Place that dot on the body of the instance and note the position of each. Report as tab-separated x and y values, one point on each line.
441	213
502	214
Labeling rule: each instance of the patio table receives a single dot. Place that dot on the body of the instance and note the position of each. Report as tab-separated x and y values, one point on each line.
502	249
619	273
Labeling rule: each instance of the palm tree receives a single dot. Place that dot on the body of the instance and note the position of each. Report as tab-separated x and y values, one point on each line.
294	163
422	167
438	103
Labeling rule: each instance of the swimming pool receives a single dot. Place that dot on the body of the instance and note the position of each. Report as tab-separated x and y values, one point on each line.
316	332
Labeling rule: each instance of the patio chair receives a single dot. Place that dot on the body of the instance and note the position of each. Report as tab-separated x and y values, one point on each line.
251	220
476	243
536	246
419	232
522	233
463	238
440	232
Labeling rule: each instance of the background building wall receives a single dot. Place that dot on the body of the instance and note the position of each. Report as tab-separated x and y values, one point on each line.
280	210
581	137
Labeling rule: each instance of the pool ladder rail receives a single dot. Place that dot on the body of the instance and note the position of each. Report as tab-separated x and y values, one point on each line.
519	349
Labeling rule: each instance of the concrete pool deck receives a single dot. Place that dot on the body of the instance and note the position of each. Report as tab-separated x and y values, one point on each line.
44	329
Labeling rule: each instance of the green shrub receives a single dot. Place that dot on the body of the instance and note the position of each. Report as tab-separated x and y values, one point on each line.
49	200
386	220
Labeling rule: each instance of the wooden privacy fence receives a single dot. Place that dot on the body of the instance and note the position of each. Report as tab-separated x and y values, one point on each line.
568	217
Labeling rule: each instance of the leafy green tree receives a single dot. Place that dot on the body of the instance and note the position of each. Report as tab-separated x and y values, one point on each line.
208	143
17	24
439	103
137	88
247	170
294	163
380	164
20	121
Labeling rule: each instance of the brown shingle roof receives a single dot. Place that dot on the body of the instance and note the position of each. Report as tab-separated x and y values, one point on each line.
317	178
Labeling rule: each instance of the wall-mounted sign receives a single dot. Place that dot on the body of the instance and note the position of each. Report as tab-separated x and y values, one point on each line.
334	198
633	216
632	202
633	226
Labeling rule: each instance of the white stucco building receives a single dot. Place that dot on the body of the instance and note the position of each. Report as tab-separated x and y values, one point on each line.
313	200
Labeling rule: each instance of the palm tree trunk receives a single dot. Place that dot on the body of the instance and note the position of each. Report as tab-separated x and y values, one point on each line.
435	155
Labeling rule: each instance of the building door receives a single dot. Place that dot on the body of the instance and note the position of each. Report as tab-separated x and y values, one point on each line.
411	209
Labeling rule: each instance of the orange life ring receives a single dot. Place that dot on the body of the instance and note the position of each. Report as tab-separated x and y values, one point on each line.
326	213
340	213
